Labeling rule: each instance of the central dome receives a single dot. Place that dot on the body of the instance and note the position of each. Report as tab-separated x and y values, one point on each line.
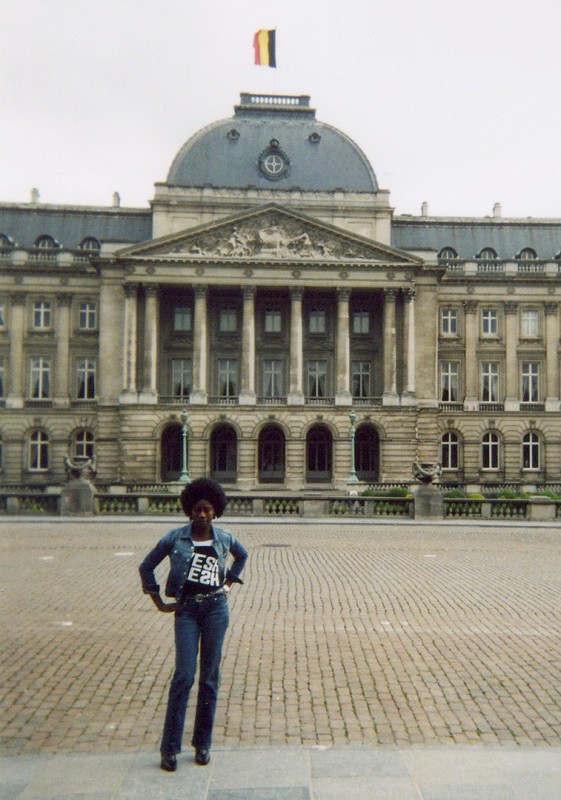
273	142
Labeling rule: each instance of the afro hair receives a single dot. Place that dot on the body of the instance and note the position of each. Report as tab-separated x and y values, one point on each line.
203	489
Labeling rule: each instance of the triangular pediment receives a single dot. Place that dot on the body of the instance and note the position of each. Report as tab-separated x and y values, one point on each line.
268	233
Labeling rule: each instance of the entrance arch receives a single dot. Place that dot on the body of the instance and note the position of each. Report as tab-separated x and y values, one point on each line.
271	455
319	454
170	451
224	454
367	453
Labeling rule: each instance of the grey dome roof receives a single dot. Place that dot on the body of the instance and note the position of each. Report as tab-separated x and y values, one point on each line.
306	154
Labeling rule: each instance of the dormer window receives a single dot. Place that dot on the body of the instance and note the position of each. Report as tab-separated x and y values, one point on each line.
90	245
527	254
487	254
46	243
447	254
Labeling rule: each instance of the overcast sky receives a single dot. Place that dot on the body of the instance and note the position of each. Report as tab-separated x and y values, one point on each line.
456	102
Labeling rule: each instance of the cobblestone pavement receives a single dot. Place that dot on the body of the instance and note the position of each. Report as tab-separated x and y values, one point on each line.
353	633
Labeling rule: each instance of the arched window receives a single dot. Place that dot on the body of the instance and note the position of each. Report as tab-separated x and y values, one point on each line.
487	254
38	452
490	451
367	453
224	453
83	444
450	451
271	455
45	243
319	448
527	254
447	254
90	244
5	241
531	451
171	453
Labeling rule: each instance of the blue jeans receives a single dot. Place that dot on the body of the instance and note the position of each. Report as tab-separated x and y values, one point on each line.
201	624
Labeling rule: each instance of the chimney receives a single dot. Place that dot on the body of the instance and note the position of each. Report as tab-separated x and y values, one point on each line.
116	200
34	196
497	210
425	209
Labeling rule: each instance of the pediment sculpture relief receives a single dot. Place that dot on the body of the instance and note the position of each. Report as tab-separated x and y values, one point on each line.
273	238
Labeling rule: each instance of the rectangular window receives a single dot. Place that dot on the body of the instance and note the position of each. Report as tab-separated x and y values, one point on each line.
87	316
531	451
449	371
317	379
530	322
489	322
361	322
361	378
182	318
2	313
227	377
490	451
449	321
85	379
42	315
530	382
181	377
40	375
317	320
2	377
39	452
228	320
489	382
272	378
273	320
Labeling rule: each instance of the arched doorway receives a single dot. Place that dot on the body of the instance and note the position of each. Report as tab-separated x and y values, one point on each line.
319	450
171	447
271	455
224	454
367	453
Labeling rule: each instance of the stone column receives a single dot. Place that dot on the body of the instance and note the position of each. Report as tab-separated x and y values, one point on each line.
343	396
512	378
389	397
471	402
129	393
149	393
296	394
247	387
14	398
552	356
199	391
61	396
409	395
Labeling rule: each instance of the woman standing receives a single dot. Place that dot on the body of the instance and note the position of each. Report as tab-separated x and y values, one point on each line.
199	580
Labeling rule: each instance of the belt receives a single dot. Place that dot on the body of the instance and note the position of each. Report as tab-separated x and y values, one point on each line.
198	598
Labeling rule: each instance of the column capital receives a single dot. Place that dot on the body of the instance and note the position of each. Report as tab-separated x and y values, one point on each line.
201	291
130	289
389	295
470	307
551	308
64	299
249	292
296	293
151	290
511	308
343	295
18	299
409	294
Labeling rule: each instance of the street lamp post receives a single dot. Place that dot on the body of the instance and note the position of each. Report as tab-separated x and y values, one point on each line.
184	477
352	476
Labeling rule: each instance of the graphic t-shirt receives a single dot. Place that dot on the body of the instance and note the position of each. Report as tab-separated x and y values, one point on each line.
203	573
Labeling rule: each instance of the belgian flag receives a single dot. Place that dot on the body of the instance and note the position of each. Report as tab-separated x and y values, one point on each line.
264	45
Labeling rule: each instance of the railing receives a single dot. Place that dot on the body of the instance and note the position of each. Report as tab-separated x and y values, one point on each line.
320	401
532	407
490	267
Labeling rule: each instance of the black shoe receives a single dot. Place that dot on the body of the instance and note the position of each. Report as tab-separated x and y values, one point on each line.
202	756
169	763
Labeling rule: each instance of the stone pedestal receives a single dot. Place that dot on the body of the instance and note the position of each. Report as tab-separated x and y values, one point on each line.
429	503
77	497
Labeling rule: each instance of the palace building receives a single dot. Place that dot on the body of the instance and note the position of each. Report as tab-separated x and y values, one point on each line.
271	294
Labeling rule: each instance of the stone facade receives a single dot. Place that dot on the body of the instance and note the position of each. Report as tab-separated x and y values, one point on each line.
268	312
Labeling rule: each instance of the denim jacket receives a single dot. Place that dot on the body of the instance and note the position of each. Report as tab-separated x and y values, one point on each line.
179	546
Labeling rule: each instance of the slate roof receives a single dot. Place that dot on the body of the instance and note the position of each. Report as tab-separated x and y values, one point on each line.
469	236
226	154
70	225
